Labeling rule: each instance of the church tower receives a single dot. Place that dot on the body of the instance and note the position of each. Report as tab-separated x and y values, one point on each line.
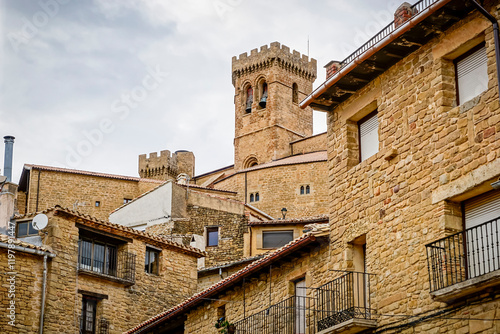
269	84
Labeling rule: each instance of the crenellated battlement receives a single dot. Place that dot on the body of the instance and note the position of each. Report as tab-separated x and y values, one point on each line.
278	54
166	166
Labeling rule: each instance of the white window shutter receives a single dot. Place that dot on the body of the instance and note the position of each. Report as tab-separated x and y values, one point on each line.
481	209
472	75
368	133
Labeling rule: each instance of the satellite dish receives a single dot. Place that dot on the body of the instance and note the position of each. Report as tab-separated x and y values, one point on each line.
40	221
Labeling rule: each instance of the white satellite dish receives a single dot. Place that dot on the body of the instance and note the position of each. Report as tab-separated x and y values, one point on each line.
40	221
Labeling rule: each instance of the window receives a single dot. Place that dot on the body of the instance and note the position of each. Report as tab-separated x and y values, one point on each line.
252	198
88	319
295	93
97	204
305	190
368	135
263	95
97	256
472	74
257	197
25	229
152	260
212	236
276	239
126	200
248	99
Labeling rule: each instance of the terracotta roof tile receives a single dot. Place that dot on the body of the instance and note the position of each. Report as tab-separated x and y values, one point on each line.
96	223
20	242
83	172
228	281
305	220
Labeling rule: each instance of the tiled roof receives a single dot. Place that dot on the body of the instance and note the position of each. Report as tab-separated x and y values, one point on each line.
306	220
317	229
227	282
111	227
232	263
19	242
83	172
293	160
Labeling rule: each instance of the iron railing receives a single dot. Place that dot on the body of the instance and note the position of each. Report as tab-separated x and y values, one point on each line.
343	299
294	315
386	31
94	326
464	255
106	262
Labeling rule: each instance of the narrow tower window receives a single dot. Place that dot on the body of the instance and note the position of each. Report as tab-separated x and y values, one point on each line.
263	99
249	100
295	93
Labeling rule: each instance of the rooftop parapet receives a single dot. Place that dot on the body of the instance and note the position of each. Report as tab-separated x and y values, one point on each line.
293	60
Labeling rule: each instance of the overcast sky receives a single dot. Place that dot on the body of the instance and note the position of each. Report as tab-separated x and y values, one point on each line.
92	84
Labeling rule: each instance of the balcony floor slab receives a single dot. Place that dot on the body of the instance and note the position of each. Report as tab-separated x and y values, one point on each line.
351	326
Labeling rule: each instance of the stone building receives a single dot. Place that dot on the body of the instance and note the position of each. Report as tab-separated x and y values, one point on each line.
414	201
99	277
96	194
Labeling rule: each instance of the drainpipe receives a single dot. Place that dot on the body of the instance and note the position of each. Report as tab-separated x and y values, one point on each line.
44	284
493	20
44	280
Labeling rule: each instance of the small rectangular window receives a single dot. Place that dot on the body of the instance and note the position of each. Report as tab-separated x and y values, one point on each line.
25	229
126	200
97	204
212	236
368	136
276	239
151	261
472	74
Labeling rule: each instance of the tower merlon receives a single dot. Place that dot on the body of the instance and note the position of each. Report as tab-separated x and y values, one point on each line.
274	51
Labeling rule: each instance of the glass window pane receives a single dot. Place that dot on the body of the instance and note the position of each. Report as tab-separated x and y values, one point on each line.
32	229
154	262
22	229
98	264
276	239
146	261
213	237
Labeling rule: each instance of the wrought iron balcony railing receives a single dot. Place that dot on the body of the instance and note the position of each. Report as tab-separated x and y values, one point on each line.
343	299
109	262
464	255
292	316
91	325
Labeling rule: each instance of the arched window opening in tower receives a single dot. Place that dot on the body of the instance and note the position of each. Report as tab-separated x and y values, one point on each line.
251	198
302	190
250	162
295	93
249	99
263	99
308	189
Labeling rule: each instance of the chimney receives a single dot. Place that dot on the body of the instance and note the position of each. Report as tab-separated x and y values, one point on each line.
403	14
332	68
7	162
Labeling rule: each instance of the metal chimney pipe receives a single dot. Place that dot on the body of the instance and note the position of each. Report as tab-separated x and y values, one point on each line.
7	162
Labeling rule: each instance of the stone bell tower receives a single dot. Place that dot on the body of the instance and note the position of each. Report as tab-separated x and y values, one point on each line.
269	84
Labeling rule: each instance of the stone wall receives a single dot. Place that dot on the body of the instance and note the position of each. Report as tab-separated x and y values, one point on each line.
80	192
265	133
28	287
444	154
253	296
310	144
123	305
279	187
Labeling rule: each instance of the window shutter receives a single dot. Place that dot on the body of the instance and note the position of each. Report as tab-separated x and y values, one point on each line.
481	209
472	75
368	133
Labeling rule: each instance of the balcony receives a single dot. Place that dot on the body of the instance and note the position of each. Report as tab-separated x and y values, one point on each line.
292	316
465	263
90	324
343	305
106	262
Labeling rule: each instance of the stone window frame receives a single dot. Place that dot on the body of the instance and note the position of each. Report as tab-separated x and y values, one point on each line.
464	55
149	250
305	189
352	145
